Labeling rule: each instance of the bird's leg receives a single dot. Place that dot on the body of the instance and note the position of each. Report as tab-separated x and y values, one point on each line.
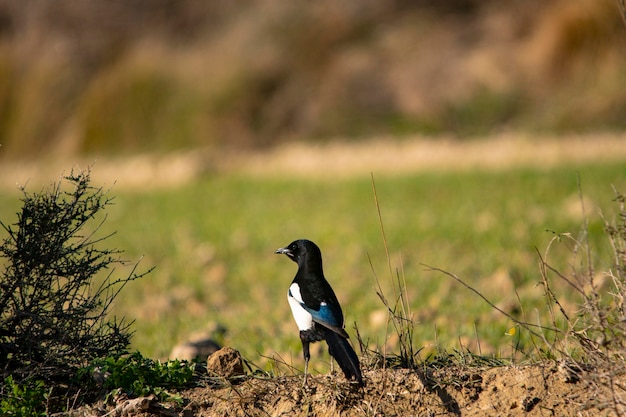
307	356
332	360
332	363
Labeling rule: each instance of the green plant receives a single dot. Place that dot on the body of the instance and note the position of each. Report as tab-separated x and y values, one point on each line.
23	400
137	375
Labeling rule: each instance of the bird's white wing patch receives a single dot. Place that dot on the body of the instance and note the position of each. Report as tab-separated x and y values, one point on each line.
303	318
294	291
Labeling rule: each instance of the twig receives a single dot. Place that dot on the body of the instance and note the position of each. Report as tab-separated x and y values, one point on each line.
495	307
382	229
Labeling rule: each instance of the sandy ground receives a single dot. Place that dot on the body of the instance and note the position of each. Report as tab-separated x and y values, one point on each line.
533	390
381	156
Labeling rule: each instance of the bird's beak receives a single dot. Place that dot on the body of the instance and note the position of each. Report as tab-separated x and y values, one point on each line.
285	251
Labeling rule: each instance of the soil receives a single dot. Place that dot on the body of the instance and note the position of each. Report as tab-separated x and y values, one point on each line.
545	389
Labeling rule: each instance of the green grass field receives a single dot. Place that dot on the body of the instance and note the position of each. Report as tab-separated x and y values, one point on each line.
213	242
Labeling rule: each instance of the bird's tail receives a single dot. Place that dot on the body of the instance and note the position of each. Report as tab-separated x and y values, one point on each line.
339	347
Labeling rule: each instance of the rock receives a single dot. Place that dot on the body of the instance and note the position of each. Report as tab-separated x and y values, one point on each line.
199	350
200	345
226	363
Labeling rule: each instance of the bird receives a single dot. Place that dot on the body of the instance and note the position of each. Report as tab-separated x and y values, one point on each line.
316	310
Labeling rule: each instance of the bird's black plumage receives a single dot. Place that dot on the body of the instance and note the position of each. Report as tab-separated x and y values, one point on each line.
316	309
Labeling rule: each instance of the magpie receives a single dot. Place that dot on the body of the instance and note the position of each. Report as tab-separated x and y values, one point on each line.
316	310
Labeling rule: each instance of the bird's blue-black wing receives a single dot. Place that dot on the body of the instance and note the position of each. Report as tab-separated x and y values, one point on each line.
328	316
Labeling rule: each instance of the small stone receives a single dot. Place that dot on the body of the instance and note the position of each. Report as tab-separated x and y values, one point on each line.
199	346
226	363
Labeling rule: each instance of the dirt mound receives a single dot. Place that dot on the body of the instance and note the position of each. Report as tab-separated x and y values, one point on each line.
532	390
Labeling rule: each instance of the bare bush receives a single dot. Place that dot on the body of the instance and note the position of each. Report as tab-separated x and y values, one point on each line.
57	285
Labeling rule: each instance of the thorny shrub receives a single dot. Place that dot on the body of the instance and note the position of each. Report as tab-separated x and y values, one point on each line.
57	286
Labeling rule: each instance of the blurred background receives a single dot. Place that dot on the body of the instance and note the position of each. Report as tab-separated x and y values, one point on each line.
165	92
112	77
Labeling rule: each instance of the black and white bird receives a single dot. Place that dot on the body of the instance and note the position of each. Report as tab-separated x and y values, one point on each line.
316	310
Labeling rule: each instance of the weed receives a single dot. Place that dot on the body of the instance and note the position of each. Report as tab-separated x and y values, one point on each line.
592	339
26	399
399	310
139	376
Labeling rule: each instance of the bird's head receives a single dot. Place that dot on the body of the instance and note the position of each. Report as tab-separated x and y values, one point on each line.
301	250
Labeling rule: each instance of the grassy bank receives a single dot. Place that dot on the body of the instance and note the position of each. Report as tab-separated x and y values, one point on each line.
212	243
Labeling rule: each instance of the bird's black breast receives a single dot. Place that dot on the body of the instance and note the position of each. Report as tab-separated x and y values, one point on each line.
314	334
315	291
